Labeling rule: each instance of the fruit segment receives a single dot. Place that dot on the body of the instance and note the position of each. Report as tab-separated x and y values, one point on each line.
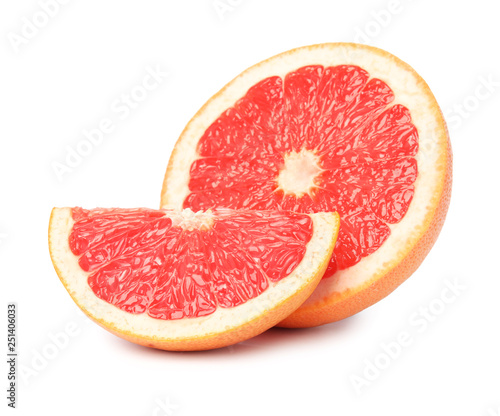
319	139
184	281
184	265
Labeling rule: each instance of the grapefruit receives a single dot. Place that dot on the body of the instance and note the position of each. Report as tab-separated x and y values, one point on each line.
178	280
331	127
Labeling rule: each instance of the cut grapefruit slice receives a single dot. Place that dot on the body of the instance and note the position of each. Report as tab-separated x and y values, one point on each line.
333	127
185	281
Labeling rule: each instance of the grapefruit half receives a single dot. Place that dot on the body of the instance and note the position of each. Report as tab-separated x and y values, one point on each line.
185	281
332	127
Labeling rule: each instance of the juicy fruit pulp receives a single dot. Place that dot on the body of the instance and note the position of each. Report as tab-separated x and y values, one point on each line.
321	139
173	266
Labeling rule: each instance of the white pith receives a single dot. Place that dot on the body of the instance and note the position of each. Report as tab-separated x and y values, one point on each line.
410	91
75	281
189	220
298	173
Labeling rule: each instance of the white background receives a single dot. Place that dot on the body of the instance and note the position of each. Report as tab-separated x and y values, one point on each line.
65	79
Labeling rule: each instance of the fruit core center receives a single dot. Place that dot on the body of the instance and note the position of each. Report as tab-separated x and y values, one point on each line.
190	220
299	172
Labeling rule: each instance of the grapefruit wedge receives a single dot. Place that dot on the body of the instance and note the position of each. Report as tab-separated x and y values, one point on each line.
178	280
332	127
